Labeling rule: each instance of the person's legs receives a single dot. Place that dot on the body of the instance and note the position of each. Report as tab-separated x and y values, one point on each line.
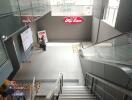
44	47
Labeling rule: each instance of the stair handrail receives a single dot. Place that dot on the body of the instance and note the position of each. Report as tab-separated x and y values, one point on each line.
32	89
58	84
125	91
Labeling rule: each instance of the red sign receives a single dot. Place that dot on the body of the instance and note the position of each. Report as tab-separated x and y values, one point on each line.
73	20
42	34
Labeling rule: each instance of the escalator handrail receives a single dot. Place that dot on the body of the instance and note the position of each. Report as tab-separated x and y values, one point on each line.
118	88
104	40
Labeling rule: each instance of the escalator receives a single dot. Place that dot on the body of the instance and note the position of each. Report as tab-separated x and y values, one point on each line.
111	61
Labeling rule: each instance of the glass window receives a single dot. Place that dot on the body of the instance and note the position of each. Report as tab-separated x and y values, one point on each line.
111	12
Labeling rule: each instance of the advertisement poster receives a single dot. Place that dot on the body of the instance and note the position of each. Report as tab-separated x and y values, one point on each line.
27	39
43	34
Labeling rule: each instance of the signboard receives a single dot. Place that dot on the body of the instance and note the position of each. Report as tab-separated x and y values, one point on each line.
27	39
73	20
43	34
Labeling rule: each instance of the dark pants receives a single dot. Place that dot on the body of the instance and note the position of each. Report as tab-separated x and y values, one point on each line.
43	46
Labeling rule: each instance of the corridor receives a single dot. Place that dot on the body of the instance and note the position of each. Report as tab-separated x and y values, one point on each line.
46	65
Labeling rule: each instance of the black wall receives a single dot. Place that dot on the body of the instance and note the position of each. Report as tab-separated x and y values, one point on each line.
124	17
13	56
58	30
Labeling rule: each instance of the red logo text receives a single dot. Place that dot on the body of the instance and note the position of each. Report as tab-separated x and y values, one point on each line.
73	20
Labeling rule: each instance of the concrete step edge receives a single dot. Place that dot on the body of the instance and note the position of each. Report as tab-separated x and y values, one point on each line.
77	97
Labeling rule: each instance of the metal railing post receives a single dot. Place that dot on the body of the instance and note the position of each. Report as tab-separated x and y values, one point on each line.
86	83
125	91
92	85
60	85
125	97
62	80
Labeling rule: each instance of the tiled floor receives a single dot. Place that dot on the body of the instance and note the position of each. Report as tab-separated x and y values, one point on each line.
47	65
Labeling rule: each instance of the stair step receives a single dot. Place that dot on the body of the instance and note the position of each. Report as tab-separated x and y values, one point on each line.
78	89
74	86
39	97
76	96
76	92
77	99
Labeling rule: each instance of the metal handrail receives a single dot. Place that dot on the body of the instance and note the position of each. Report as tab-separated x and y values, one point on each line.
58	84
105	40
125	91
32	89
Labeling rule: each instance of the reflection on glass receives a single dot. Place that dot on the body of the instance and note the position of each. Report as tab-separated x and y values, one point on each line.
71	7
40	7
10	22
14	5
69	10
118	50
3	56
40	11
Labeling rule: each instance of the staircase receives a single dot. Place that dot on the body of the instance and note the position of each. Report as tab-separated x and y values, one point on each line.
76	93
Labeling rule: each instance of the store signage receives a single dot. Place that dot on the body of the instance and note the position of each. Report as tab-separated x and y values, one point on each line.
73	20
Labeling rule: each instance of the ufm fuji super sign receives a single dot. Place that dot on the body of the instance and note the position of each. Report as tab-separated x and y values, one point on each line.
73	20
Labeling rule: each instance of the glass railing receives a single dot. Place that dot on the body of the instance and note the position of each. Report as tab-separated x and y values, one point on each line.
117	50
3	55
20	90
15	14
